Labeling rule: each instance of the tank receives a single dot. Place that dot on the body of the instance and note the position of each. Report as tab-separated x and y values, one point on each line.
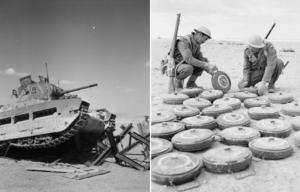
44	115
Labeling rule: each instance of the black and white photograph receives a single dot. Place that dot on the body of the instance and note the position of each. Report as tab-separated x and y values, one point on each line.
224	95
75	95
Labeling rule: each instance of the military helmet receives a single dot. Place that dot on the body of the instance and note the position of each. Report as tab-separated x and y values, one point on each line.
203	30
255	41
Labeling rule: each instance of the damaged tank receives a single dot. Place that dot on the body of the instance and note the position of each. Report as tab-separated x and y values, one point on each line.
44	115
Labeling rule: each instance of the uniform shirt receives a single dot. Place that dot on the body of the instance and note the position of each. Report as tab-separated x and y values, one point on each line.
188	50
265	60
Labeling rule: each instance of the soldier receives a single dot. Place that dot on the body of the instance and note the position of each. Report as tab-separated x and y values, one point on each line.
189	59
261	65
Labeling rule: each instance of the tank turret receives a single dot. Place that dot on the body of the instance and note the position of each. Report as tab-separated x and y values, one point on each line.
43	90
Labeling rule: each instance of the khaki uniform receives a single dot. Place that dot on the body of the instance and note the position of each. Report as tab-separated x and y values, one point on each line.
187	53
262	66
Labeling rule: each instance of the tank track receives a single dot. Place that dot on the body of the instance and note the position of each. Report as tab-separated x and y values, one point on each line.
48	141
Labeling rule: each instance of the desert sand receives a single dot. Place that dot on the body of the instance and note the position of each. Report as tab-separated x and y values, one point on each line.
15	178
271	175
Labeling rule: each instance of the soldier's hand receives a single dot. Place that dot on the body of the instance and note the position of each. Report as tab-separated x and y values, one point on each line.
261	86
210	68
243	84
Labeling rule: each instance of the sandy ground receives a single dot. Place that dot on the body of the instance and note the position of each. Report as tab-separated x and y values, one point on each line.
280	175
15	178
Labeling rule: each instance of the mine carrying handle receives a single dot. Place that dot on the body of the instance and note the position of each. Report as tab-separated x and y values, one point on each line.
84	87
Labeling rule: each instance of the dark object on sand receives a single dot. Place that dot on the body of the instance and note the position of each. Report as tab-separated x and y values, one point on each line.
200	122
291	109
273	128
166	130
256	102
174	98
270	148
175	168
232	119
211	95
227	159
281	98
242	96
263	112
160	147
239	135
233	102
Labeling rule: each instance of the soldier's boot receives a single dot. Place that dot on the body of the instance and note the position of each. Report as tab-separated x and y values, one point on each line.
191	82
178	84
271	88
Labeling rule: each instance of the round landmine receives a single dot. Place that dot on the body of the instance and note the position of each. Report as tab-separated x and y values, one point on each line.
212	95
197	102
199	122
258	113
273	128
291	109
270	148
256	102
233	102
160	147
239	135
166	130
184	111
297	138
191	92
227	159
296	123
216	110
175	168
221	81
174	98
242	96
281	98
161	117
193	139
232	119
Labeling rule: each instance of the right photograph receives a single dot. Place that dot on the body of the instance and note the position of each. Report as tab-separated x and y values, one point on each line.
224	96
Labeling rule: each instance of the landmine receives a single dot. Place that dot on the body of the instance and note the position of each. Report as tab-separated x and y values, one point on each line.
161	117
216	110
166	130
296	123
233	102
291	109
175	168
193	139
211	95
270	148
273	128
239	135
174	98
232	119
184	111
263	112
221	81
200	122
281	98
160	147
242	96
256	102
227	159
199	103
191	92
297	138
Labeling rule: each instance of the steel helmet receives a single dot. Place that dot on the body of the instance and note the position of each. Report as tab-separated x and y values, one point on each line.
255	41
204	30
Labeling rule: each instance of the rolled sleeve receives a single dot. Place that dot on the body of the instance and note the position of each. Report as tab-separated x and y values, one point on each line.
271	64
186	53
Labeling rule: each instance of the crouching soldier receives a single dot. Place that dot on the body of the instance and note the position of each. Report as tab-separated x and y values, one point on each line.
189	59
261	65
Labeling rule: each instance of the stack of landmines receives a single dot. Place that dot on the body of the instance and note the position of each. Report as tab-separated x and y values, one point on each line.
194	124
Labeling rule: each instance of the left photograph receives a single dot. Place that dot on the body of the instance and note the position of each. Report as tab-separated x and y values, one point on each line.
75	95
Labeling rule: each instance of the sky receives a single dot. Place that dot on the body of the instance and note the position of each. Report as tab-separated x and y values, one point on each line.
227	19
83	42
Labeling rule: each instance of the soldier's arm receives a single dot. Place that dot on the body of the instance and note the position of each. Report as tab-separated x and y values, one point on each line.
186	53
247	68
199	56
271	63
